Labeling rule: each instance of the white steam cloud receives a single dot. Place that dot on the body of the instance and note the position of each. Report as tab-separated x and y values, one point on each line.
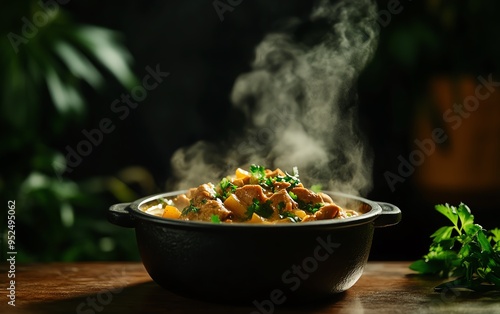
300	103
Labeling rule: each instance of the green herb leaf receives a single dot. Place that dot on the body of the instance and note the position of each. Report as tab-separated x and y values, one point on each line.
215	219
189	209
258	172
281	206
449	211
291	216
466	218
483	241
262	209
226	188
495	238
442	233
308	207
424	267
292	179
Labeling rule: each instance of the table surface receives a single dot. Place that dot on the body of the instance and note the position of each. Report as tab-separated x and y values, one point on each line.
125	287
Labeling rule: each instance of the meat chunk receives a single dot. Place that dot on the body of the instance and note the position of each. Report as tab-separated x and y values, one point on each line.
307	196
281	201
181	201
246	194
274	173
204	205
206	210
328	211
201	194
326	198
281	185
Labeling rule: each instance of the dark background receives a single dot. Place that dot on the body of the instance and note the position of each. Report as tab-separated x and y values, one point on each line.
424	49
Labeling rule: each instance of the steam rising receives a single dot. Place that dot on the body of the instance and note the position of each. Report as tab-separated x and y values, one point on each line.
300	103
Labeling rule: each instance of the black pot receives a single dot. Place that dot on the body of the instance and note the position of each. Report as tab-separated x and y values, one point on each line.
246	262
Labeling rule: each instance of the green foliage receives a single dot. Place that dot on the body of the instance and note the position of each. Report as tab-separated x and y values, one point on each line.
464	250
43	78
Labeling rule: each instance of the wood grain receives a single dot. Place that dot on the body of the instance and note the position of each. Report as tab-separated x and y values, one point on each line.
122	287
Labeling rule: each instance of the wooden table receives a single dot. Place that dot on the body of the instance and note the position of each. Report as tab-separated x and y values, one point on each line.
125	287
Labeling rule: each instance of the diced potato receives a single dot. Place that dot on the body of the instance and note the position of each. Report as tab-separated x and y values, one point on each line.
256	219
241	174
299	213
233	204
171	212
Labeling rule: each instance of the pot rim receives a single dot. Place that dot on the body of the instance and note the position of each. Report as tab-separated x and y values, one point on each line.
370	215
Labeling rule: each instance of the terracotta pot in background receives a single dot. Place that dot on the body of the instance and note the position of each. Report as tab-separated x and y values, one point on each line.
465	166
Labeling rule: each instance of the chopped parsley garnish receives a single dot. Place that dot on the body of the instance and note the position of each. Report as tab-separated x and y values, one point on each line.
258	172
226	188
262	209
309	207
215	219
291	216
190	209
281	206
225	184
259	176
268	184
287	214
292	179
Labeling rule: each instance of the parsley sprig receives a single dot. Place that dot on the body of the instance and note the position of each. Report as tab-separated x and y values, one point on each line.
258	174
293	179
308	207
262	209
190	209
215	219
226	189
464	250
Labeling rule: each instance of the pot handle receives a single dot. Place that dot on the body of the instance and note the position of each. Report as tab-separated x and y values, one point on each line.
120	216
391	215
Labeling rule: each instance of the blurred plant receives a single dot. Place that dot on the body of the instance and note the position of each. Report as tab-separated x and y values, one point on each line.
48	62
